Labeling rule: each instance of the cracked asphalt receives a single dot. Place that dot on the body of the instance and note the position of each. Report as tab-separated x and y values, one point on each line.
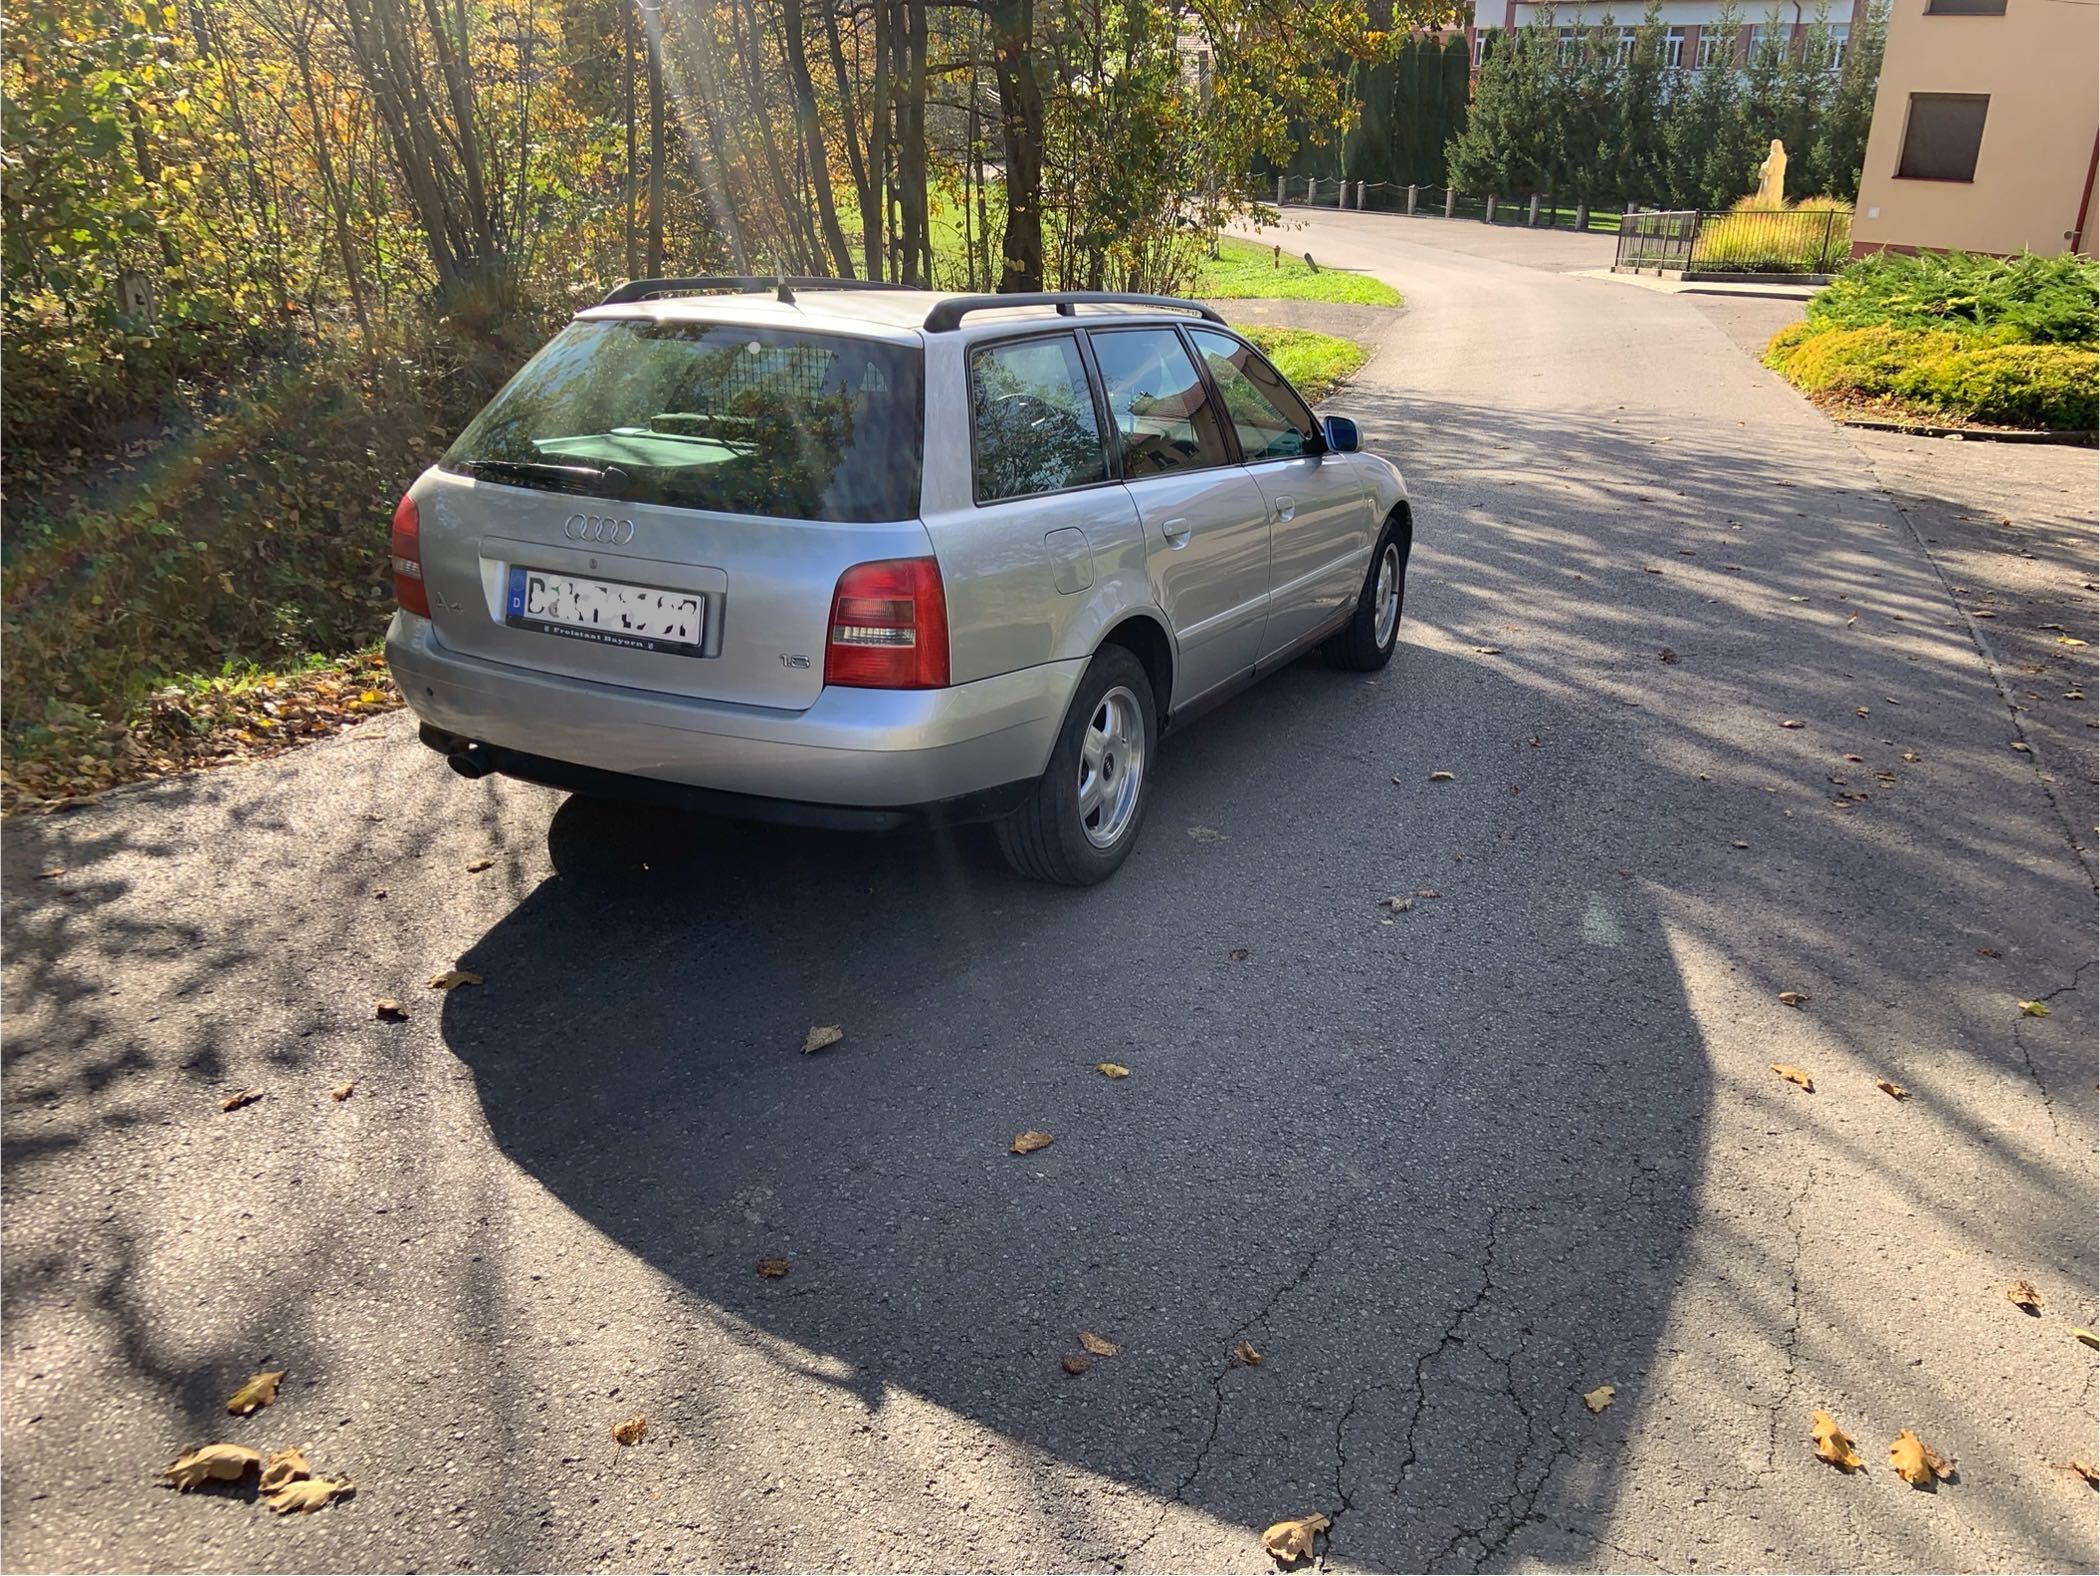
1446	1169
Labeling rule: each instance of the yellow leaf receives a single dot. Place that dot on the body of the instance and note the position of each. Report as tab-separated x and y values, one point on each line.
1435	777
1792	998
1601	1397
2084	1469
257	1393
308	1494
1244	1351
631	1430
1291	1541
1916	1462
479	865
452	979
342	1091
286	1466
1832	1443
1894	1091
226	1463
2022	1295
1112	1069
1098	1345
772	1269
1075	1366
239	1098
2086	1336
1029	1143
822	1037
2035	1009
1794	1075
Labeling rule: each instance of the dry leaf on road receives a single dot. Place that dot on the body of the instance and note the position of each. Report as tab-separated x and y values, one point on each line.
309	1495
1075	1366
1029	1143
2022	1295
1832	1443
1112	1069
286	1466
2084	1469
1894	1091
1207	834
1601	1397
630	1430
1792	998
1917	1463
1443	777
2035	1009
821	1036
389	1010
1243	1351
1238	954
239	1098
1399	905
342	1091
452	979
225	1463
1794	1075
1291	1541
2087	1337
479	865
257	1393
1790	723
772	1269
1099	1345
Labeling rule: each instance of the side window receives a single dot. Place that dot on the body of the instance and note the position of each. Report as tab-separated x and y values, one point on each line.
1157	400
1033	420
1272	422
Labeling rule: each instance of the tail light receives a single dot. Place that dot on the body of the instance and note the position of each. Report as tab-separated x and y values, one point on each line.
889	627
406	545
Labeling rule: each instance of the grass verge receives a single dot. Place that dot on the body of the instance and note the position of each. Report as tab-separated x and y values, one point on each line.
1243	270
1316	364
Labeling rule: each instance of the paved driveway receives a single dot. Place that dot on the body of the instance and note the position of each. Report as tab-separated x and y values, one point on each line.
1447	1169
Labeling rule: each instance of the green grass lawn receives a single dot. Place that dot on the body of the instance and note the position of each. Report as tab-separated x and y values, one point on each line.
1244	269
1316	364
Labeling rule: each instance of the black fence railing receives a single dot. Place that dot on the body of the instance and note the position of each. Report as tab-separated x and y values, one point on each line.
1744	241
1319	191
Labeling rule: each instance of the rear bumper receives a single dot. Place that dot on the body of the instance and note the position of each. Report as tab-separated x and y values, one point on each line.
904	753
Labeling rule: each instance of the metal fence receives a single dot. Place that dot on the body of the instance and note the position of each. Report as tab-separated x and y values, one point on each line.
1532	210
1751	241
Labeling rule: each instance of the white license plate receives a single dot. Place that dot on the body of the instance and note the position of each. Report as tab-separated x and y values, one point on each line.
639	618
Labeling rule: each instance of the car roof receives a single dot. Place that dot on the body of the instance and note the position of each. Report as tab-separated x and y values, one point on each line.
895	315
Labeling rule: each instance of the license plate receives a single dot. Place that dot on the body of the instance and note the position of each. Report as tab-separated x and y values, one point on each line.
638	618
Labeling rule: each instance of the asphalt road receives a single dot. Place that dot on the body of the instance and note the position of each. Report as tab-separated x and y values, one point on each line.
1447	1169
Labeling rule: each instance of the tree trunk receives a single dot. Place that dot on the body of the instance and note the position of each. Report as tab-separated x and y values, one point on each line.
1021	122
633	240
913	238
813	134
850	121
875	211
654	267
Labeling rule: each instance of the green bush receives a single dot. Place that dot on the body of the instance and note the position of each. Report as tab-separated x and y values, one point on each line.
2025	299
1774	241
1859	361
2051	386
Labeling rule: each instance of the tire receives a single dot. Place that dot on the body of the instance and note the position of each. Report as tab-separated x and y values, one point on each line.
1062	836
1366	643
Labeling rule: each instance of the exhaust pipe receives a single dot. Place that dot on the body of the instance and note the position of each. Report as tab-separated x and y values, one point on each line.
470	759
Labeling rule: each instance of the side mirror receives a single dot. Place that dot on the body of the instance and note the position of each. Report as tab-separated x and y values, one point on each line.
1341	434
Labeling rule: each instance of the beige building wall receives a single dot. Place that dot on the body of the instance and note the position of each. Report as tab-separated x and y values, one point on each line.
2040	64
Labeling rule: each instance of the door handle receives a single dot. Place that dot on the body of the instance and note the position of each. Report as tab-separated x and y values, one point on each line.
1176	531
1286	507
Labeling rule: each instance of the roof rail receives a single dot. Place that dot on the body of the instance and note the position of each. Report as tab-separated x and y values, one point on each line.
741	284
948	315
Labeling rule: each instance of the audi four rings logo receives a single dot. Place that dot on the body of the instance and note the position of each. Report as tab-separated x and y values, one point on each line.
600	528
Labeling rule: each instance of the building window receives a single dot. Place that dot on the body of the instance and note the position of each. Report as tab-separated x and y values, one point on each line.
1484	45
1840	38
1766	36
1571	45
1965	7
1716	46
1673	48
1628	37
1942	136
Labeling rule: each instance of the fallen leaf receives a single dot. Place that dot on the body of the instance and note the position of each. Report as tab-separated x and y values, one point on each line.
1854	619
239	1098
2023	748
257	1393
1738	843
2022	1295
1601	1397
1794	1075
772	1269
1917	1463
51	875
1112	1069
1238	954
1855	759
2084	1469
1666	655
1912	756
1427	892
342	1091
1443	777
389	1010
1399	905
309	1495
1488	651
1099	1345
1792	998
224	1463
1075	1366
2035	1009
452	979
286	1466
1029	1143
1894	1091
479	865
1291	1541
2086	1336
1989	952
1207	834
631	1430
821	1037
2069	640
1790	723
1244	1352
1832	1443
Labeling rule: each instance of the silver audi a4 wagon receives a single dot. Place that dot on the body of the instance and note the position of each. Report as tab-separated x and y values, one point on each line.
852	556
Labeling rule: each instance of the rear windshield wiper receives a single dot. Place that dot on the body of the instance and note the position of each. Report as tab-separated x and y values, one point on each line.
596	479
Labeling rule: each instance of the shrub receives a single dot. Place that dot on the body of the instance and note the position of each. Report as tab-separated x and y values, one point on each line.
2052	386
2027	299
1865	362
1796	240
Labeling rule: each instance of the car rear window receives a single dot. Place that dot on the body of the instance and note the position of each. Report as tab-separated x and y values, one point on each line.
742	420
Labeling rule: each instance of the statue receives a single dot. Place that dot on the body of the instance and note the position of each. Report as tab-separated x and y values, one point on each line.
1771	177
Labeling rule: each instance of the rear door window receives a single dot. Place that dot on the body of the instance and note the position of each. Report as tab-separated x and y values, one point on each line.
1158	402
1032	421
714	416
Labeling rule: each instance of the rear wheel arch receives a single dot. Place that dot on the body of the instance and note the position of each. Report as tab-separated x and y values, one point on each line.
1148	641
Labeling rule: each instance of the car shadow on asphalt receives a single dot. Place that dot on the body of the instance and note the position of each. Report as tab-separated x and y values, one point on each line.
1420	1156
